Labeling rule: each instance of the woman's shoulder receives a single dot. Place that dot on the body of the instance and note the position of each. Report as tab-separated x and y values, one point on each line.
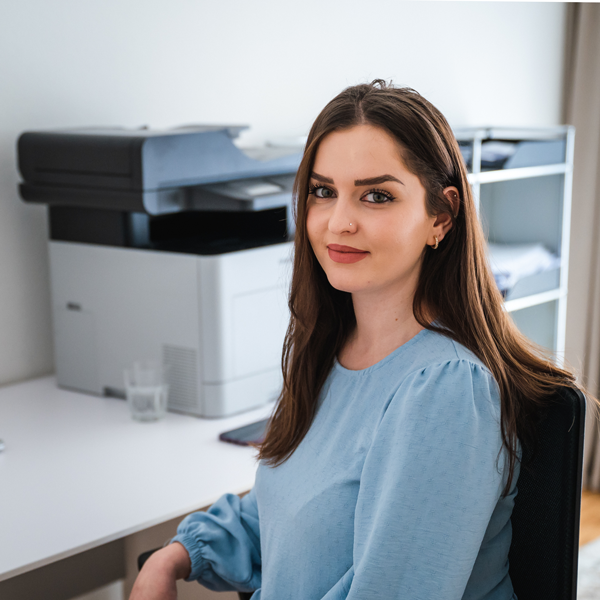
435	351
444	371
429	366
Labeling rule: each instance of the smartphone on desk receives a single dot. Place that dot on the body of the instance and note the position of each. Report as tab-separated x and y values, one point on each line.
246	435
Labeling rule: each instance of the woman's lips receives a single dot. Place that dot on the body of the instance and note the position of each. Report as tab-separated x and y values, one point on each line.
345	254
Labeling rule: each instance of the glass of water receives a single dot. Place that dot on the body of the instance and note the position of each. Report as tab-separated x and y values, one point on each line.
146	389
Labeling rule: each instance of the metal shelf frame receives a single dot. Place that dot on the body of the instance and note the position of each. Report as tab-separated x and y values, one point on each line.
477	136
520	173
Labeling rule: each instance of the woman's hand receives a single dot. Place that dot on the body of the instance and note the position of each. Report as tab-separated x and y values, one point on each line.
158	577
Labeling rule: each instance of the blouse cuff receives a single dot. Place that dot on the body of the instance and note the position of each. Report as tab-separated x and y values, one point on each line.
194	549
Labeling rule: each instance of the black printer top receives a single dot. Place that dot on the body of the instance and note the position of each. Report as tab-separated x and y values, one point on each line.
146	170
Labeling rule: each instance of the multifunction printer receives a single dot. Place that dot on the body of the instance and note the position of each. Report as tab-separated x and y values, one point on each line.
166	245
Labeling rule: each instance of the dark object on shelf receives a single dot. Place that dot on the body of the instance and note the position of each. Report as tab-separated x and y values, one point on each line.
254	433
499	152
496	153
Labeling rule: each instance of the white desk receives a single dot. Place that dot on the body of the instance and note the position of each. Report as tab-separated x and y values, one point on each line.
78	472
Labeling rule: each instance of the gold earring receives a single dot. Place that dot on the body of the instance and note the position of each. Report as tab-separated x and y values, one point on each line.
437	243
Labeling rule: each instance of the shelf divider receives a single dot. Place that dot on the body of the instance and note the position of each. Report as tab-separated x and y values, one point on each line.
534	299
520	173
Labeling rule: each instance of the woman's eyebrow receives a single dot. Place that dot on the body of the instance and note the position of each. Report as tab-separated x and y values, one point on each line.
321	178
376	180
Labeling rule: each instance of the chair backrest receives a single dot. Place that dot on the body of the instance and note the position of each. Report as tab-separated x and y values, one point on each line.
545	520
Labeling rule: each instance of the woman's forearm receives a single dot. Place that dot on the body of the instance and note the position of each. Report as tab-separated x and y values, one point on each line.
173	560
157	579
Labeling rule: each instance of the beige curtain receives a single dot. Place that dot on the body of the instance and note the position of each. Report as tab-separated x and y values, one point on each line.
582	109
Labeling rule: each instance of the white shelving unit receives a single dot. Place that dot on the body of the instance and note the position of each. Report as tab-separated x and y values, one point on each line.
526	199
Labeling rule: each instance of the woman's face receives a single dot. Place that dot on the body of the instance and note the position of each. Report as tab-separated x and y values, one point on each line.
366	221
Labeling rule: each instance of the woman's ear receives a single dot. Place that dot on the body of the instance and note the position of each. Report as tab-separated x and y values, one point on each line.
442	224
443	221
453	197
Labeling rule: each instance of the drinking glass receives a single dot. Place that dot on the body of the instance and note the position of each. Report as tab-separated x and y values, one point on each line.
146	390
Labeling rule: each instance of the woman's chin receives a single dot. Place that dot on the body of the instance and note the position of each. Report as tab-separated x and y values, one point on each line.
347	284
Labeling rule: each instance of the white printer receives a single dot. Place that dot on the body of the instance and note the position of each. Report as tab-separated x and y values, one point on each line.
169	245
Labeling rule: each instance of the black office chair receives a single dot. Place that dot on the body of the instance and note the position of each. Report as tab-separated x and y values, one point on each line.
545	520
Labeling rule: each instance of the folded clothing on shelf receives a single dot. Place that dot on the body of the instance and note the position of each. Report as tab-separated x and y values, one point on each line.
494	154
511	262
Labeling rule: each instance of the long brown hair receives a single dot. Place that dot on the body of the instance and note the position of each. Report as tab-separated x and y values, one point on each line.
455	283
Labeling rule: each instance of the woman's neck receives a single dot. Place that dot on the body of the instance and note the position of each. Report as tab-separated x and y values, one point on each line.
383	323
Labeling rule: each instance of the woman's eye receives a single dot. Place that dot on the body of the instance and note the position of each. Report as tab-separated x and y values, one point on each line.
377	198
322	192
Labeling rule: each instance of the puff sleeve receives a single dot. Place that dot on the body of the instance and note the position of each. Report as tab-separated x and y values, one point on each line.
430	483
224	544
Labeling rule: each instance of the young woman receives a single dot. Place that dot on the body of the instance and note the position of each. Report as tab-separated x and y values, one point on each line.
390	465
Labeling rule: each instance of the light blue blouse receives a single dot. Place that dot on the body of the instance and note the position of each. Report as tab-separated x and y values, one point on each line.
395	492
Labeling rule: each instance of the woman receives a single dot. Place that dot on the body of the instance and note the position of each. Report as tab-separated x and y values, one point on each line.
390	465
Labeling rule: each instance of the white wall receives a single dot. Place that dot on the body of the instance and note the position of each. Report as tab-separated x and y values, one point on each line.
267	63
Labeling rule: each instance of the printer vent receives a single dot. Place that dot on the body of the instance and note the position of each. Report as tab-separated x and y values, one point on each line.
182	373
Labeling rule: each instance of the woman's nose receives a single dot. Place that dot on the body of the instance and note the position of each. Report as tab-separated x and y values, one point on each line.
342	218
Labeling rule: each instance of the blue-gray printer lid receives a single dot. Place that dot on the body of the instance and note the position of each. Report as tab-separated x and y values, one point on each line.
136	169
